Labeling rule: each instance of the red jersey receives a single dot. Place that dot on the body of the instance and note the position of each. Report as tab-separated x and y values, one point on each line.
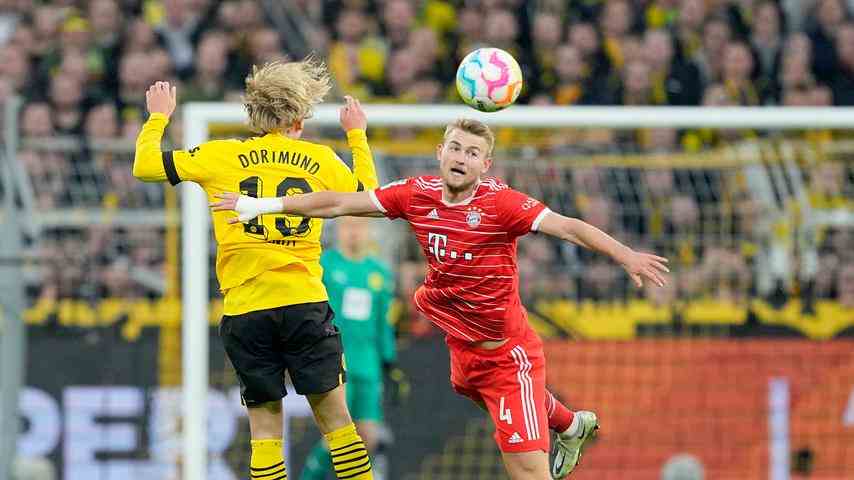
472	286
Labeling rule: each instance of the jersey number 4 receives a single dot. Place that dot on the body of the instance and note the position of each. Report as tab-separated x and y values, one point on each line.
504	414
253	186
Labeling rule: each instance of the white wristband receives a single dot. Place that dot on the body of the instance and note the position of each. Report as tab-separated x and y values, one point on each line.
269	205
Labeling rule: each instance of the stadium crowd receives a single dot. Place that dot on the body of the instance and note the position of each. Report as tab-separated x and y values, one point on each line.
82	68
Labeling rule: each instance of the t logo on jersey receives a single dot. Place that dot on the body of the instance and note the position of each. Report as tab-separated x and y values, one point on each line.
437	244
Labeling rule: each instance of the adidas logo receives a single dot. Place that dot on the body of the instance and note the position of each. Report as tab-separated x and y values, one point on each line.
515	438
433	214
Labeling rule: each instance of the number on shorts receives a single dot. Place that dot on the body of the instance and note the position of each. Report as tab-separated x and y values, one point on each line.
504	414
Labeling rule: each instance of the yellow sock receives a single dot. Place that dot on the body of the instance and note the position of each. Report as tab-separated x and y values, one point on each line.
267	462
349	455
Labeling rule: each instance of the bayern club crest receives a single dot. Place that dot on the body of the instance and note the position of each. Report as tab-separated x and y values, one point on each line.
473	217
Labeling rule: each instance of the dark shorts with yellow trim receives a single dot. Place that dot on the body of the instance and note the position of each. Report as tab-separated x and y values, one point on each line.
299	339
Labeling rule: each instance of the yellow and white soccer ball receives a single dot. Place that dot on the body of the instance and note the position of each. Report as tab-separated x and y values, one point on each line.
489	79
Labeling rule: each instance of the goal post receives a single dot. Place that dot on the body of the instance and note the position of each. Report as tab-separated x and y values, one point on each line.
196	221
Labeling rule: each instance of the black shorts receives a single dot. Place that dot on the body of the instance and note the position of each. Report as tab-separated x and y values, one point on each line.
298	338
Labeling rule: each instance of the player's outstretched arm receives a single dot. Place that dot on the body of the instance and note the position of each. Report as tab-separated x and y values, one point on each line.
160	99
316	205
355	122
637	264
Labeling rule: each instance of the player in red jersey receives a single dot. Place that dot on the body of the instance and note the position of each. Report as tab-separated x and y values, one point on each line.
467	225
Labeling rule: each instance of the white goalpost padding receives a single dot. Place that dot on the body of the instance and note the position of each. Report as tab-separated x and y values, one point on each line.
196	220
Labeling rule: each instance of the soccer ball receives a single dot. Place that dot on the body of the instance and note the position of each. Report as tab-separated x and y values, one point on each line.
489	79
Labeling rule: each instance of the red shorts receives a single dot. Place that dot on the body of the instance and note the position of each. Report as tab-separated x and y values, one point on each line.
511	381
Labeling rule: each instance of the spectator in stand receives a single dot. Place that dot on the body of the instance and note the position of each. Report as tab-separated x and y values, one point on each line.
66	97
356	60
689	27
470	30
684	230
827	17
106	19
546	38
179	32
15	68
501	30
159	64
659	140
767	43
432	63
602	279
25	37
657	189
102	122
265	46
208	80
795	71
572	85
47	20
398	22
49	173
636	88
675	81
139	38
401	73
843	80
134	76
37	120
709	57
737	72
725	276
827	187
616	22
584	36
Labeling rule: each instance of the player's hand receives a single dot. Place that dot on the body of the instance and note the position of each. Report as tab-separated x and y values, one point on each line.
161	98
351	115
646	266
246	207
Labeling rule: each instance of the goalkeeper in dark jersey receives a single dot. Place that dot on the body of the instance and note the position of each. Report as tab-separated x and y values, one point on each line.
361	289
276	317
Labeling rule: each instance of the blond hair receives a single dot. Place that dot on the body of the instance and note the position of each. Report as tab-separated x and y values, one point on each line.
474	127
280	94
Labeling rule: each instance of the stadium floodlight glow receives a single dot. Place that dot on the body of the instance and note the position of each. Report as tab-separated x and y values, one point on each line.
196	219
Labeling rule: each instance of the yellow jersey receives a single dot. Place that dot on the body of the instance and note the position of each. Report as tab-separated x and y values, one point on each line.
271	261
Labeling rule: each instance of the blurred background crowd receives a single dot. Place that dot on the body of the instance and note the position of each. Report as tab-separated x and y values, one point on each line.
82	67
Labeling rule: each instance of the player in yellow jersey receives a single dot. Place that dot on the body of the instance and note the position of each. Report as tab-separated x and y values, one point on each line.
276	316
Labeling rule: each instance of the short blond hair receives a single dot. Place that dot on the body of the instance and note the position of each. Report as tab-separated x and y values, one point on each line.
282	93
474	127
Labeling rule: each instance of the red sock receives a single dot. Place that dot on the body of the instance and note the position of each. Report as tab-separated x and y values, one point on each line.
560	417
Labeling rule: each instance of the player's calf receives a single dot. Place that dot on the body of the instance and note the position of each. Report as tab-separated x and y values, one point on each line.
533	465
